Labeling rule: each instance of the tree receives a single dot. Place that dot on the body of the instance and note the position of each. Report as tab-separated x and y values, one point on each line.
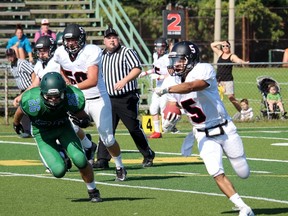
266	20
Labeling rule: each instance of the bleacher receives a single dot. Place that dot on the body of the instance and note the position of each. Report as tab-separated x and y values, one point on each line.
30	13
60	13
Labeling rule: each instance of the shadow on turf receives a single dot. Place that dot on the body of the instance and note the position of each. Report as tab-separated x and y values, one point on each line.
111	199
263	211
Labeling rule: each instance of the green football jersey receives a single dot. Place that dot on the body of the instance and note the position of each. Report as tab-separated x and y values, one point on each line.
43	117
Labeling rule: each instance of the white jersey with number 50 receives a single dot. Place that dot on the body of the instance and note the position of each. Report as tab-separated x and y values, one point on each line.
76	70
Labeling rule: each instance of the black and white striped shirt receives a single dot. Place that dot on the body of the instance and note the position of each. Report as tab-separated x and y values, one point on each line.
22	72
116	66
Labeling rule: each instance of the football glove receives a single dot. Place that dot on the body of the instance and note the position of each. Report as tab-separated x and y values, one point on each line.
18	128
83	123
157	77
170	121
142	74
160	91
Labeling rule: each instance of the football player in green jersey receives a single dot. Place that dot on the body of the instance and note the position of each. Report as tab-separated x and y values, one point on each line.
48	107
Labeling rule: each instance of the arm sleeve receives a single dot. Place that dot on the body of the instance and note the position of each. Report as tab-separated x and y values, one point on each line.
10	43
27	46
132	59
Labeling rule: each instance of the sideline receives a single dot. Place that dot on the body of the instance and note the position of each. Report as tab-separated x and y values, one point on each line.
143	187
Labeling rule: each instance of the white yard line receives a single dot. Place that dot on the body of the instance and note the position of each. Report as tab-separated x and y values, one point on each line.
144	187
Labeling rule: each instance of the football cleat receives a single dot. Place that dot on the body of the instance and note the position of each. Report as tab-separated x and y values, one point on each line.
174	130
94	195
246	211
120	174
155	135
148	161
101	164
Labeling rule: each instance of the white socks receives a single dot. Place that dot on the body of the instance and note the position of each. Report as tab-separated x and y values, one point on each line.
118	161
156	126
236	199
86	143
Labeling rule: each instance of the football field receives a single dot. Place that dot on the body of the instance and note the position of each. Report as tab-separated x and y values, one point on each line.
175	185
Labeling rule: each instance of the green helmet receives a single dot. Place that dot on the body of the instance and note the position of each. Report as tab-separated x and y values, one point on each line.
53	89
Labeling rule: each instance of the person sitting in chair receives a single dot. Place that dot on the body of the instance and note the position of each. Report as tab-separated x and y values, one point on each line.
274	98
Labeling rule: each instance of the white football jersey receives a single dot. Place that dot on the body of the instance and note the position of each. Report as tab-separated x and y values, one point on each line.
170	81
76	70
160	66
51	66
204	107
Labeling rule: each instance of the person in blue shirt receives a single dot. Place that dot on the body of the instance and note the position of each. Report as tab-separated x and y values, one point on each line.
21	44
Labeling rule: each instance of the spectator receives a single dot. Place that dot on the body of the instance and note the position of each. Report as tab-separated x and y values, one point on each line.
24	75
224	72
121	66
48	106
214	130
44	30
21	44
285	58
81	66
274	99
158	73
246	111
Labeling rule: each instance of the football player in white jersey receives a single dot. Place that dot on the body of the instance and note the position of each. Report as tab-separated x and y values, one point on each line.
212	126
158	73
45	47
81	66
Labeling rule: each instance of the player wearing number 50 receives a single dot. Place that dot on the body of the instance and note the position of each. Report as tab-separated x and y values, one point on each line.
47	107
81	66
212	127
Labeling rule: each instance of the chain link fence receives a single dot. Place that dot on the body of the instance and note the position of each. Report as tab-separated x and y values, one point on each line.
245	83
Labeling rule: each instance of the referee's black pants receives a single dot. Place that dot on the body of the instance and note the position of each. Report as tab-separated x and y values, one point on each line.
125	108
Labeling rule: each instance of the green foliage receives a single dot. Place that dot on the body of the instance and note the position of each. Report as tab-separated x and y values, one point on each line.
267	24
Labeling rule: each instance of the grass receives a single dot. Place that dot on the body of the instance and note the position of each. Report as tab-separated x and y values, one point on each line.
175	185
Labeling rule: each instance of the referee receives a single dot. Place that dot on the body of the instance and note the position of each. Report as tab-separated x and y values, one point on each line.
121	66
23	73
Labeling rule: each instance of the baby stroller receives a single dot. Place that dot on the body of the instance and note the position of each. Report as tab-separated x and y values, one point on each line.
262	83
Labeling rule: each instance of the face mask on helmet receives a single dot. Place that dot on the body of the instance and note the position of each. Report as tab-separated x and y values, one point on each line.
53	98
160	50
53	88
178	65
160	46
183	57
45	47
74	38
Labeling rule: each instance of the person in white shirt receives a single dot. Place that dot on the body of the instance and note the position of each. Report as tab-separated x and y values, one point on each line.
81	66
213	128
158	73
246	111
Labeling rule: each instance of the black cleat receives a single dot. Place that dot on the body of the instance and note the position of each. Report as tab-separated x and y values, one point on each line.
121	174
101	164
148	161
94	195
